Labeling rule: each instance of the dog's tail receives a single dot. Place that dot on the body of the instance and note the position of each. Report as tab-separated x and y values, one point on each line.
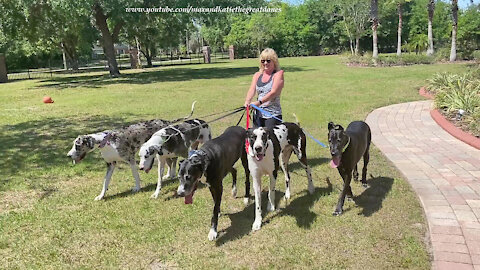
296	119
186	117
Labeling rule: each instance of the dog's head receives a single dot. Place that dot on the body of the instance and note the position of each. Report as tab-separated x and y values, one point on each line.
147	156
258	142
338	141
189	173
81	146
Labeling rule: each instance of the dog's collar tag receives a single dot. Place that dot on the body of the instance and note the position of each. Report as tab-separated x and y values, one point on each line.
346	145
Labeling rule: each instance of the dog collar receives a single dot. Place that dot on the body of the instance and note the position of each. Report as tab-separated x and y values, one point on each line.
346	145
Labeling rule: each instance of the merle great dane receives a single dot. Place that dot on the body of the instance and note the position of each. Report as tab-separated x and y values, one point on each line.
119	146
347	147
268	149
215	159
172	142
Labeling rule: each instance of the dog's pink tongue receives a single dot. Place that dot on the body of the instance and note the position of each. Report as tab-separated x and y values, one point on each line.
189	198
335	162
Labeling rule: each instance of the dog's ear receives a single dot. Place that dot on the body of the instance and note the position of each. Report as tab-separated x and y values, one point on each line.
339	127
331	126
249	132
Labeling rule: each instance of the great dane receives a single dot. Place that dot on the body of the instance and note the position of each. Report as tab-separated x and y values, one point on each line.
215	160
347	147
172	142
268	149
119	146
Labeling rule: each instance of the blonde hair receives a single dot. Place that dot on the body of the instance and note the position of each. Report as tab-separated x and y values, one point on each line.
269	53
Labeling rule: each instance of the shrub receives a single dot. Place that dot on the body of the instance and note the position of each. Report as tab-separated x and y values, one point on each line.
476	55
390	60
455	92
442	54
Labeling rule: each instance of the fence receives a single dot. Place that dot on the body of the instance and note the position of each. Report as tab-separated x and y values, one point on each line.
123	63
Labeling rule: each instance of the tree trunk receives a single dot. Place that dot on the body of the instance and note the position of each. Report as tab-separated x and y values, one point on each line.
374	15
65	67
148	55
431	9
71	54
107	39
357	45
399	32
351	47
453	50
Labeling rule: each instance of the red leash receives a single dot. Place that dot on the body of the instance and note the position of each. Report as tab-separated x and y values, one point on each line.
247	144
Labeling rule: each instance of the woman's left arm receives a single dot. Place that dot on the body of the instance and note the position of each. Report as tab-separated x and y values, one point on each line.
276	88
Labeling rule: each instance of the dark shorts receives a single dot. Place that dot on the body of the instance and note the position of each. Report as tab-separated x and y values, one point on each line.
259	121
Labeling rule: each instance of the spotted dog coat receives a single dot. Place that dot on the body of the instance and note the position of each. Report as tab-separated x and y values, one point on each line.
172	142
117	145
268	150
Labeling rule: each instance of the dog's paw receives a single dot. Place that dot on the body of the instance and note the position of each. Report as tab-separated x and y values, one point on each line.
99	197
337	213
166	177
287	194
270	207
257	225
212	235
234	192
135	189
154	195
365	185
246	201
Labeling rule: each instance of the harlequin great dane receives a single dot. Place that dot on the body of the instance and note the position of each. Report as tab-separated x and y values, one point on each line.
172	142
268	149
119	146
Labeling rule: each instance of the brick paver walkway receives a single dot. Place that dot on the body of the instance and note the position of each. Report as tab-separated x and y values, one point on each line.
443	171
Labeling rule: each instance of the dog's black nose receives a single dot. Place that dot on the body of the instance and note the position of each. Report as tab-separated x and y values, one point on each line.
181	193
258	149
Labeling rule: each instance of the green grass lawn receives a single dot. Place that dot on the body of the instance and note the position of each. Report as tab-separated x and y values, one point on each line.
48	218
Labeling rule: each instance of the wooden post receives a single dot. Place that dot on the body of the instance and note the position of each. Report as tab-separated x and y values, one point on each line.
231	52
3	69
206	54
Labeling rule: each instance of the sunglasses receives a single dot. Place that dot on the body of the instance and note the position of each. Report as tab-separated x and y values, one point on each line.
263	61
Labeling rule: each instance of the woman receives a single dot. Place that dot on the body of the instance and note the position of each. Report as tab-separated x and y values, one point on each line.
268	84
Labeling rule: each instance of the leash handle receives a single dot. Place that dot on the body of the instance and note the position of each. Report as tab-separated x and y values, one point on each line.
247	144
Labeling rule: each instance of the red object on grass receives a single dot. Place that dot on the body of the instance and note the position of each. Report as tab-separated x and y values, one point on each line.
47	99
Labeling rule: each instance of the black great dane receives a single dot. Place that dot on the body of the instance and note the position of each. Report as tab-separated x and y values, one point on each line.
347	147
215	159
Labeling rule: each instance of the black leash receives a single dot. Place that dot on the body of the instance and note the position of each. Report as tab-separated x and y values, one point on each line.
213	114
241	117
236	110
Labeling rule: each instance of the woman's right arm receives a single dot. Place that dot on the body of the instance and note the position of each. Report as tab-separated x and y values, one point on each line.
251	90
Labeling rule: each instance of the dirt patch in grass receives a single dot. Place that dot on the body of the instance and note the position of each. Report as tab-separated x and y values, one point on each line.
19	200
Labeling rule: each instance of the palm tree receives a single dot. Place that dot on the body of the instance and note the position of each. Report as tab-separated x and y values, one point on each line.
431	9
374	17
453	50
400	24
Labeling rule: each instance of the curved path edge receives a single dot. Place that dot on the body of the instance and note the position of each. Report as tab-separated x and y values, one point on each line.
443	171
448	126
